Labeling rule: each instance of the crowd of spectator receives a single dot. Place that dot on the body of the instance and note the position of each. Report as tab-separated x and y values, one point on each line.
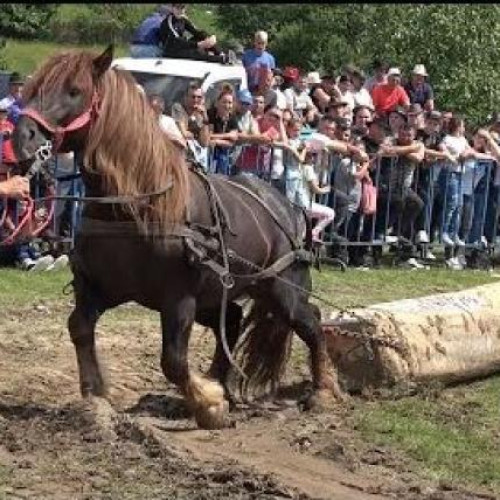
370	157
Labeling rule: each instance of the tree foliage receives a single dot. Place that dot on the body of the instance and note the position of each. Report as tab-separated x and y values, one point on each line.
457	43
25	20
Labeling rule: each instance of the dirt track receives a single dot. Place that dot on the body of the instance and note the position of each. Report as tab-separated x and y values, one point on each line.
53	445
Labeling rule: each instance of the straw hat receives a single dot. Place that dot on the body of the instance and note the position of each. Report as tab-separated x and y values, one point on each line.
419	69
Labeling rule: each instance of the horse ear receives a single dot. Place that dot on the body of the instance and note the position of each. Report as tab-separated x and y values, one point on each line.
103	62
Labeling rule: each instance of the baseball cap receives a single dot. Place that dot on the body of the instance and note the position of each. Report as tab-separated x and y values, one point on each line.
4	108
245	97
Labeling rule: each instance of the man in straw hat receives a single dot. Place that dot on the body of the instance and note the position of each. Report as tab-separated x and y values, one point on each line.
418	89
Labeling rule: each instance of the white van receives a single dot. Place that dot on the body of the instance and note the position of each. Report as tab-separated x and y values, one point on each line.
170	77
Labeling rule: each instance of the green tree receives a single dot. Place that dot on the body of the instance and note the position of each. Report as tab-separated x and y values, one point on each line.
457	43
26	20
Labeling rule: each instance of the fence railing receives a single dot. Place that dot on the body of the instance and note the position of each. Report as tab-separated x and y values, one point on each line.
419	206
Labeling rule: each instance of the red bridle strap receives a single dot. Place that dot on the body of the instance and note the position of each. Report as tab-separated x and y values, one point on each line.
58	132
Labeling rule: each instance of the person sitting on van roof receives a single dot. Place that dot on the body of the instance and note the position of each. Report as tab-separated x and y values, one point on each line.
146	39
199	46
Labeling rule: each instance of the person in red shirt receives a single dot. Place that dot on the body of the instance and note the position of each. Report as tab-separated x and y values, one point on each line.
391	95
8	158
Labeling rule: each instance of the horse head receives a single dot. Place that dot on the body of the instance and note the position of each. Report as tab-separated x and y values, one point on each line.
61	100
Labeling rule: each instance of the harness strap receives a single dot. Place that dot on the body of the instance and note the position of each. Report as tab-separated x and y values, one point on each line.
258	199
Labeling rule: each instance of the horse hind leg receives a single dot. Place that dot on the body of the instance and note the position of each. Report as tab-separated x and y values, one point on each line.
204	397
306	322
305	319
81	326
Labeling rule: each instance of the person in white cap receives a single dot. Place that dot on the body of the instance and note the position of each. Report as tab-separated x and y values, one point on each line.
391	95
418	89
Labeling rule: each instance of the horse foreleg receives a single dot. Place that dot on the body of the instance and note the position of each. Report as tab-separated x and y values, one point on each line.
81	326
204	397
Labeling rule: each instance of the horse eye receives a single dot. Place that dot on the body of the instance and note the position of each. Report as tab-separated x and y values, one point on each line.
74	92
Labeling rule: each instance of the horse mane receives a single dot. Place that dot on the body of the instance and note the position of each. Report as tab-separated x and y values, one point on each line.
125	144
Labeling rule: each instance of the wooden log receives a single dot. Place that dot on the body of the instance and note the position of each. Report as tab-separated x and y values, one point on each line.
449	338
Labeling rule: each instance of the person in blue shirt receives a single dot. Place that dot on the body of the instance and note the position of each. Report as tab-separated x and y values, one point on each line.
13	102
146	39
256	58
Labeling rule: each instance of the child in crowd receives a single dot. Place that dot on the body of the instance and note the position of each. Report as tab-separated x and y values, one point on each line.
309	187
294	156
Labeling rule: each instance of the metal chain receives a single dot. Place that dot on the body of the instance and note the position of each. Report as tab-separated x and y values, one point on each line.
367	339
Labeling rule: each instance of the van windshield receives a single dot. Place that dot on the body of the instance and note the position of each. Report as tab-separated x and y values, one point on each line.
172	88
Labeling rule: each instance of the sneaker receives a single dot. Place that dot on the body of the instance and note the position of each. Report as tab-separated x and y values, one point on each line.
26	264
462	260
454	264
414	263
42	263
428	255
447	241
391	239
459	242
422	237
60	263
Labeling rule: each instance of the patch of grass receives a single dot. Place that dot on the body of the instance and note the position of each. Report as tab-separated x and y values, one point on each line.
25	57
20	288
350	289
453	437
361	288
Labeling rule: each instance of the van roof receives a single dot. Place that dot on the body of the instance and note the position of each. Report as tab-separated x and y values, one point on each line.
181	67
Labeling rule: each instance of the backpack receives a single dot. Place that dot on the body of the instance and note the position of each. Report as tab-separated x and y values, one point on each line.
368	197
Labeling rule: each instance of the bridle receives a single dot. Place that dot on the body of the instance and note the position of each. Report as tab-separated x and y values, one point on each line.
45	153
58	132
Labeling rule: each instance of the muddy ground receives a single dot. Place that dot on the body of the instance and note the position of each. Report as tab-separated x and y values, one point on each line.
54	445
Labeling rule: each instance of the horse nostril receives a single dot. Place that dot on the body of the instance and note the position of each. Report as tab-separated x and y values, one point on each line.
31	134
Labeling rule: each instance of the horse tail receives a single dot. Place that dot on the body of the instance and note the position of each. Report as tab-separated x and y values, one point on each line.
263	351
309	240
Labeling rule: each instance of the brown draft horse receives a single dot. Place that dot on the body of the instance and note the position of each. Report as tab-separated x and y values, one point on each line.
81	104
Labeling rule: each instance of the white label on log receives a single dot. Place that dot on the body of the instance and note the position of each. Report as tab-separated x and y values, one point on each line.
434	304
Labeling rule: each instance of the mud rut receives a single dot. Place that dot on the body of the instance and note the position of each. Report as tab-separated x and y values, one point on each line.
54	445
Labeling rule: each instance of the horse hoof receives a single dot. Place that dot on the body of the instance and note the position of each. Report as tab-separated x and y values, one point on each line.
320	400
212	417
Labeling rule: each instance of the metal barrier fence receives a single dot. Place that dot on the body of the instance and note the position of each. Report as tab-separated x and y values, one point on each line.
422	206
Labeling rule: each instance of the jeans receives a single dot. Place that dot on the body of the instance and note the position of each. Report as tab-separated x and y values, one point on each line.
293	185
145	51
221	161
403	205
450	188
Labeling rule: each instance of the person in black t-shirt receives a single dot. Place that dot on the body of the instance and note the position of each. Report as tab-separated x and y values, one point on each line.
199	46
223	130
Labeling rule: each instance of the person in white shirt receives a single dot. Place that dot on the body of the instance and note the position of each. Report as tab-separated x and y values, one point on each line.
360	94
167	123
297	96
